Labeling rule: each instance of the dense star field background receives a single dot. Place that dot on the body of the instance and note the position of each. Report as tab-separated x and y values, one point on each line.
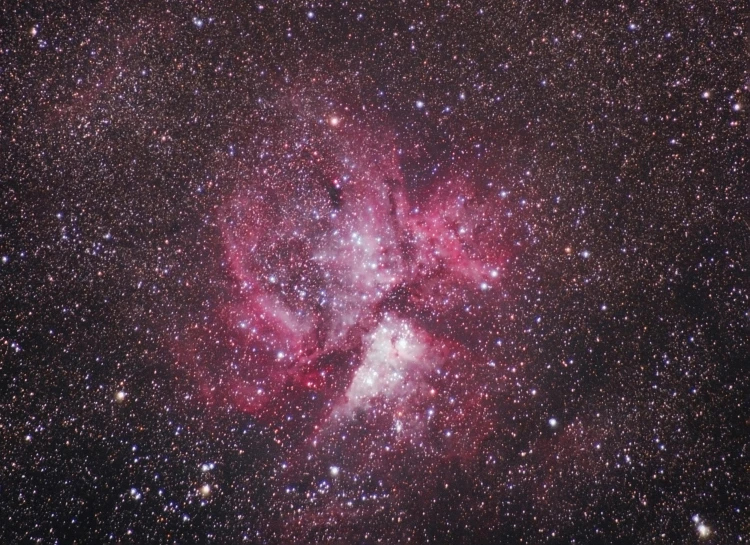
396	272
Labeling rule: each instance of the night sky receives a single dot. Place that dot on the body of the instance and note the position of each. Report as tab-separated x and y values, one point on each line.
386	272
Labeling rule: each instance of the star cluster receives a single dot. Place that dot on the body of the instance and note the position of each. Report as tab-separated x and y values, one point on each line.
385	272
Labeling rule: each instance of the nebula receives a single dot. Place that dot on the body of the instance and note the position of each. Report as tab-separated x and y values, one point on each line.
365	311
352	287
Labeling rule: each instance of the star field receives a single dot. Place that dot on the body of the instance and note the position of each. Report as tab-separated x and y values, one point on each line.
388	272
